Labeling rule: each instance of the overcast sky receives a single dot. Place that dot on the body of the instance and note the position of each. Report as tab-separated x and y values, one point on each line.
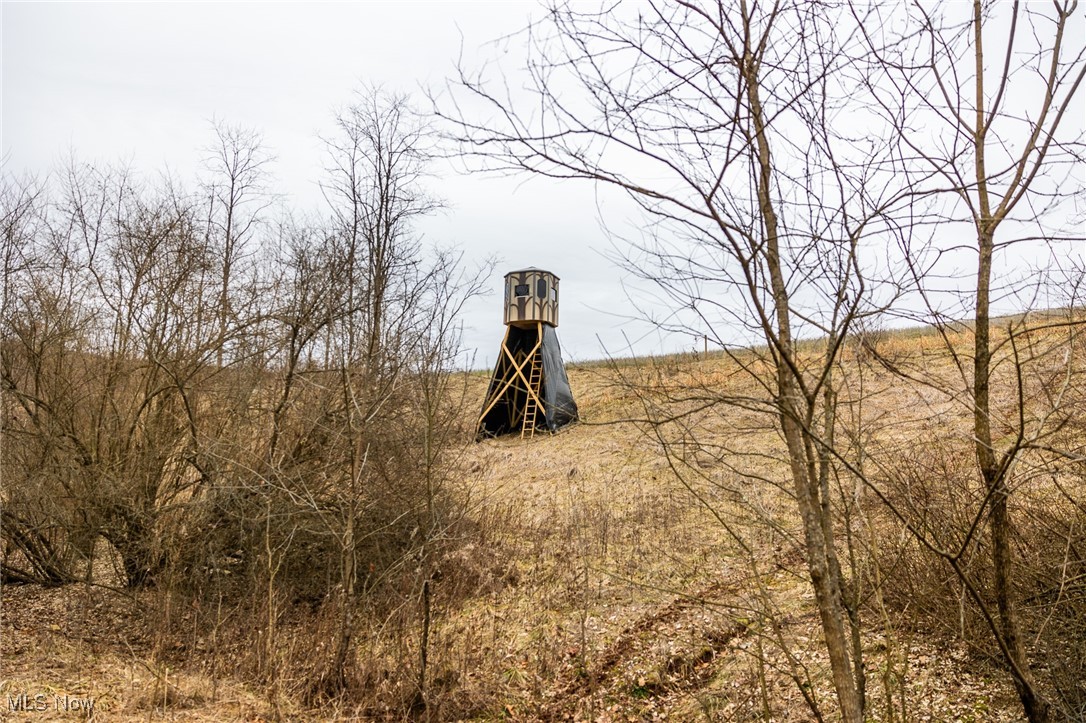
140	82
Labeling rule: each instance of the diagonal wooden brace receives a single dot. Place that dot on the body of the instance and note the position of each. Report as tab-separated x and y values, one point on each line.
518	371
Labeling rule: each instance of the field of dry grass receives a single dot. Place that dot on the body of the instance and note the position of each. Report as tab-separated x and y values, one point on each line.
602	588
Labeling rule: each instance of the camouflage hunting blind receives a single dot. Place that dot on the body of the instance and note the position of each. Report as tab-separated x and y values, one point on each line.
529	389
531	297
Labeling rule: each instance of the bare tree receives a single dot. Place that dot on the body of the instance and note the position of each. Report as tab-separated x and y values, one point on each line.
390	336
772	148
38	322
721	122
1004	92
105	390
377	159
237	195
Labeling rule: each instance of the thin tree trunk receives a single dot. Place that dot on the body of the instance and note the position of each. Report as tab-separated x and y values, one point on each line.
994	474
995	480
819	560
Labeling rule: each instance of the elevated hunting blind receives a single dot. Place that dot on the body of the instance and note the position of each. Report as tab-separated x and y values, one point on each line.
529	389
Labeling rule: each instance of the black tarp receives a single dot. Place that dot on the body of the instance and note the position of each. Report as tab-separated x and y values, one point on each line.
558	404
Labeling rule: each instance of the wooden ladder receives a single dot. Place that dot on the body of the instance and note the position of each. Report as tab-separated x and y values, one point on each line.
530	405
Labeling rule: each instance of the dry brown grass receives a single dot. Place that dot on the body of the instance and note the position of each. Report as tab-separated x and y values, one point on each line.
600	589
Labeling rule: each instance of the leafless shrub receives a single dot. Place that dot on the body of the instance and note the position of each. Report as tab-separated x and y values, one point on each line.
935	490
251	442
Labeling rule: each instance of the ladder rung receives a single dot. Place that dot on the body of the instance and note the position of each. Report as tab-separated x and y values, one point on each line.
531	408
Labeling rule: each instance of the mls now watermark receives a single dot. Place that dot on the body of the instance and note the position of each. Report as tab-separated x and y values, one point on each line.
40	703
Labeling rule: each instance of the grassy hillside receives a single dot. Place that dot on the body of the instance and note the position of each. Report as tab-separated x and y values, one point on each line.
608	581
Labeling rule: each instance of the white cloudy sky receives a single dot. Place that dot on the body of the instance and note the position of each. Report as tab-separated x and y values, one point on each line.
139	82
